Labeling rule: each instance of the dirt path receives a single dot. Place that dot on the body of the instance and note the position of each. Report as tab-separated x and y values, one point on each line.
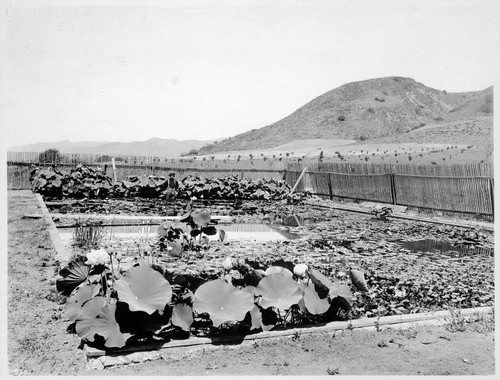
422	350
39	345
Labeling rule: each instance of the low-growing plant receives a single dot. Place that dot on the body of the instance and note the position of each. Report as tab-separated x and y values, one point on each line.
190	234
382	213
88	233
456	322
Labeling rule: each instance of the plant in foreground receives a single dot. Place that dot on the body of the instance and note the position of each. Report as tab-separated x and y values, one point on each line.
109	308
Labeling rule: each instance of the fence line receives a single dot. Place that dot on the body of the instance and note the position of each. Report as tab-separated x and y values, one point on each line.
454	170
457	194
462	188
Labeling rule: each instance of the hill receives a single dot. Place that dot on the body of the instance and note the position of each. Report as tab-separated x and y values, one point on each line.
152	147
375	108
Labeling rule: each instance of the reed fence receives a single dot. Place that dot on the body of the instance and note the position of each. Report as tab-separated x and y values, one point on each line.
467	188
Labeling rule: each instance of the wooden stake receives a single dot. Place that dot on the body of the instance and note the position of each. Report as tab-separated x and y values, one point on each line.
298	180
114	168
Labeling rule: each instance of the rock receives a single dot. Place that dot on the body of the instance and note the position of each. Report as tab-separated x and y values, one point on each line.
109	361
95	364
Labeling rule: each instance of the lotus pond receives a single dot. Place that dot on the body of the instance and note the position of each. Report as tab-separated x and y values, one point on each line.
273	265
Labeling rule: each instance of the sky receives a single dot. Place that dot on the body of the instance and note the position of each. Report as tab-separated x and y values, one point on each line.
133	70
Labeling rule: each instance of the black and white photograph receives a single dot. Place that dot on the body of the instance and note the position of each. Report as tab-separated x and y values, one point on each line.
207	188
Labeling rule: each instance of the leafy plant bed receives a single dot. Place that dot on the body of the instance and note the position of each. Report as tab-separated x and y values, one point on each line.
336	253
91	183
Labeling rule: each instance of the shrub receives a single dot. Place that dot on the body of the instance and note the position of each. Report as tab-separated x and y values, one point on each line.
371	110
321	156
49	155
341	118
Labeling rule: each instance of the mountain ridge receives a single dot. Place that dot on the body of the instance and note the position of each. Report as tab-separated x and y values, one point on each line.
363	110
150	147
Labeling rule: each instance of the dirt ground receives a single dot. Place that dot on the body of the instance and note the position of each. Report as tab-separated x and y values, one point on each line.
38	343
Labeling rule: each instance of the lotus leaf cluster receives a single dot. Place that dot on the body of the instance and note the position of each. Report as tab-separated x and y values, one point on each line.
233	187
80	182
91	183
111	308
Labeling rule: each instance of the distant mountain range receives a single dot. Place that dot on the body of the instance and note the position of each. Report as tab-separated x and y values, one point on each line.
374	108
152	147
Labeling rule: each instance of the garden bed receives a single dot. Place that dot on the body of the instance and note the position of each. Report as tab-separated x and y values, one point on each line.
464	351
454	273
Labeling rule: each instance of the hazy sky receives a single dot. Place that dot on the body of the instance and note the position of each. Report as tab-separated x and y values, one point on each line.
77	70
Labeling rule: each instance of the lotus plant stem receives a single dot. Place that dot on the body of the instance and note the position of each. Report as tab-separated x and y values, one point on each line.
103	284
287	314
112	270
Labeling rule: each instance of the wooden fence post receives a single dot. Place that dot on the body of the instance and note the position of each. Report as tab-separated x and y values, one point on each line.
330	191
492	195
114	168
393	189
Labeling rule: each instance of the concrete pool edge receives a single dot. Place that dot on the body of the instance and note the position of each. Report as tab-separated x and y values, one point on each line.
100	359
62	254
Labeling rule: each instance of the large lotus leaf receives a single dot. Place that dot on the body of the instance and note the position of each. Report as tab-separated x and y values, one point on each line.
320	279
82	294
97	317
222	301
313	303
358	280
279	291
343	292
201	218
182	316
302	305
73	275
256	318
144	289
278	269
